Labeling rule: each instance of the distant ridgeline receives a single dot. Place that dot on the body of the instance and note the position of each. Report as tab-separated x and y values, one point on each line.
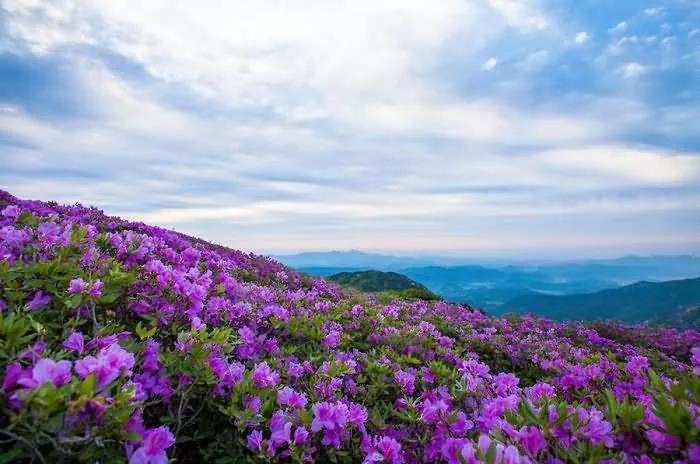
674	303
378	281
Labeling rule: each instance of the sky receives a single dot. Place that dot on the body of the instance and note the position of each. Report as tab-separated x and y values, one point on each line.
557	128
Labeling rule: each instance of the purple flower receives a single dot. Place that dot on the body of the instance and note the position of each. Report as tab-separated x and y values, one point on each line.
110	363
13	374
461	425
357	414
301	435
282	434
48	370
332	339
75	342
11	211
295	370
329	416
77	286
539	391
39	300
432	410
390	450
152	451
96	289
288	397
264	376
511	455
532	440
254	440
458	450
406	381
597	430
227	374
695	359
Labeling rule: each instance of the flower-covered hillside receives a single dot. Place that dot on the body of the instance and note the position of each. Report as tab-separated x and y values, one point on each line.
125	342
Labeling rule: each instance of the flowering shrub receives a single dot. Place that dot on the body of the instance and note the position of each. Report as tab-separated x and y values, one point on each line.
123	342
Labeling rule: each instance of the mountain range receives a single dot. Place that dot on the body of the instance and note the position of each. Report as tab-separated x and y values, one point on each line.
676	303
499	287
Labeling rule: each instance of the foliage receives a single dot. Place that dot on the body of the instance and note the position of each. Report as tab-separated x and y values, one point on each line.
377	281
125	342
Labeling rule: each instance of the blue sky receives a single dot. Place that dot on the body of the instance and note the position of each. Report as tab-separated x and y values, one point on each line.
479	128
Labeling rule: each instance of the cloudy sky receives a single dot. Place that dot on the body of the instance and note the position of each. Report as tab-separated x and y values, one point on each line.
553	128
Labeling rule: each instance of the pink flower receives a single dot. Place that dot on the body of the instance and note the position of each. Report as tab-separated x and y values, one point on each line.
152	451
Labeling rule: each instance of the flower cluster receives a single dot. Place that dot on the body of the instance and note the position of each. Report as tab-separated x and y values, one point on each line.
125	342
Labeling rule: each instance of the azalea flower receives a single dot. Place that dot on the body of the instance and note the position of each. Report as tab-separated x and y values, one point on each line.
152	450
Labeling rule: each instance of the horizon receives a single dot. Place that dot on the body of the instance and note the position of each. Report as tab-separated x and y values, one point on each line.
490	129
452	260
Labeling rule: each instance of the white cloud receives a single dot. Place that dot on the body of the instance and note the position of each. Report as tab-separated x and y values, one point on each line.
582	37
654	11
632	70
620	27
319	116
489	64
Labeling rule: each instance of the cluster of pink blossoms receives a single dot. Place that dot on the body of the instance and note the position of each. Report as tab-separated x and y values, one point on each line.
121	339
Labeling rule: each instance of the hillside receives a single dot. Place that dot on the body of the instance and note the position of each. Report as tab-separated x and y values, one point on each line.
640	302
491	285
124	342
375	281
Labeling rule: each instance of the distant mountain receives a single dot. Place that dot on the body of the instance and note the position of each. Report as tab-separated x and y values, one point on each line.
378	281
375	281
673	302
359	260
629	269
490	285
490	288
325	271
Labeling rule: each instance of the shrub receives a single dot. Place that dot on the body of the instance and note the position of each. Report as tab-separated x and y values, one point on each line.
125	342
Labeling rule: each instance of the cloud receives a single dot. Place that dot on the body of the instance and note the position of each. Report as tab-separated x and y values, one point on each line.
654	11
581	37
489	64
313	124
619	27
632	70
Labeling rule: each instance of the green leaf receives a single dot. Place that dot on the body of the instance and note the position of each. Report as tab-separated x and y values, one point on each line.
88	385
